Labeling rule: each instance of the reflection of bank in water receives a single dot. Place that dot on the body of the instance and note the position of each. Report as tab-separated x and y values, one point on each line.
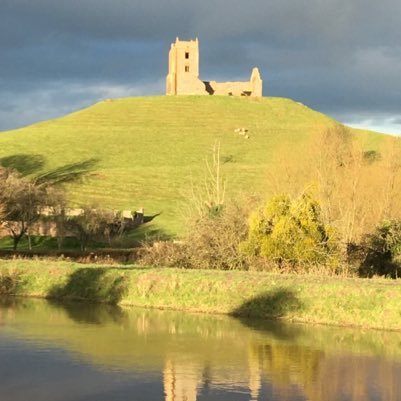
211	357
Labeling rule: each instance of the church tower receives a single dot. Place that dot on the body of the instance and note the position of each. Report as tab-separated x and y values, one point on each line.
183	75
183	69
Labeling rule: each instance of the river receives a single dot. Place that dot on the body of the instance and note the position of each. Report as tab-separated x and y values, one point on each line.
78	352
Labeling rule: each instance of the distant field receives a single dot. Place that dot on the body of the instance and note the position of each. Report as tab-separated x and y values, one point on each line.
150	151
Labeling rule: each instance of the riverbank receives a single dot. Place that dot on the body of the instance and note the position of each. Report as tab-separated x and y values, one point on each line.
366	303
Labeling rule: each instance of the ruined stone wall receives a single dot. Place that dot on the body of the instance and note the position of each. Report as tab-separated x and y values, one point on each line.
231	88
183	75
39	228
253	87
46	226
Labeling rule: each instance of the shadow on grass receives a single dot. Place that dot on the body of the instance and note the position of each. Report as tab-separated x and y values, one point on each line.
273	304
27	164
262	313
146	232
68	173
24	164
92	284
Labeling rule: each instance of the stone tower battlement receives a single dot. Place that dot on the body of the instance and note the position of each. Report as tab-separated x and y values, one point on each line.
183	75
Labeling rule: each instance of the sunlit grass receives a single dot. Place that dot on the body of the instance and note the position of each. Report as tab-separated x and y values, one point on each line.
151	150
310	299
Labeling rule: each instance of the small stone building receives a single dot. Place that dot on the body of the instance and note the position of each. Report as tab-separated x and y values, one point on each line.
183	75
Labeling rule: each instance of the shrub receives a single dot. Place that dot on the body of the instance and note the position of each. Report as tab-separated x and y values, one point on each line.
211	242
163	254
383	251
291	232
10	282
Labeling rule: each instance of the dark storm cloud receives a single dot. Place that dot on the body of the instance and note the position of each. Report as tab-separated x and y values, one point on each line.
397	121
340	57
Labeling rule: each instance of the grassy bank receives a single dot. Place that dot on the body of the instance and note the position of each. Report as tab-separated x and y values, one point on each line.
323	300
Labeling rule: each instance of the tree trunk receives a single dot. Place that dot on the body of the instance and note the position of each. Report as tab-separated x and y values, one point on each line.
15	243
60	242
83	241
60	230
16	240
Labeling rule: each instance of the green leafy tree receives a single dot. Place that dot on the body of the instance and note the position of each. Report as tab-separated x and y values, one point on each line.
290	232
383	251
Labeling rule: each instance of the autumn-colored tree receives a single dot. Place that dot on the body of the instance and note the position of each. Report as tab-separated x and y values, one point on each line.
356	186
388	180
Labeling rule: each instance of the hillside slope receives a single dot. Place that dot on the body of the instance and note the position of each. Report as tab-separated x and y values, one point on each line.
150	151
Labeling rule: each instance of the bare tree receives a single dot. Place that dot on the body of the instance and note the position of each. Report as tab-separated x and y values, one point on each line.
390	180
56	207
209	196
22	201
2	212
95	224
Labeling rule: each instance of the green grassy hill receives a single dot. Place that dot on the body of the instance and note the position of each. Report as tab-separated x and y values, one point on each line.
150	151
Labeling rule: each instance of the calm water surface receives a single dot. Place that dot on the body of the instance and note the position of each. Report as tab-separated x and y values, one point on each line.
65	352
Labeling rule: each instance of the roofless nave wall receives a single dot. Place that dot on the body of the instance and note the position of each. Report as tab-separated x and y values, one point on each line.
183	75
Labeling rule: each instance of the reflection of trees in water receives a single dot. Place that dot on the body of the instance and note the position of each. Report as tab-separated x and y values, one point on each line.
287	364
294	372
356	378
318	376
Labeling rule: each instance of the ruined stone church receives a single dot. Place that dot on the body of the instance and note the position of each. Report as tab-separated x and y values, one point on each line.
183	75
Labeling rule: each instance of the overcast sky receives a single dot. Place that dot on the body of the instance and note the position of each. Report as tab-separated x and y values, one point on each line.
341	57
